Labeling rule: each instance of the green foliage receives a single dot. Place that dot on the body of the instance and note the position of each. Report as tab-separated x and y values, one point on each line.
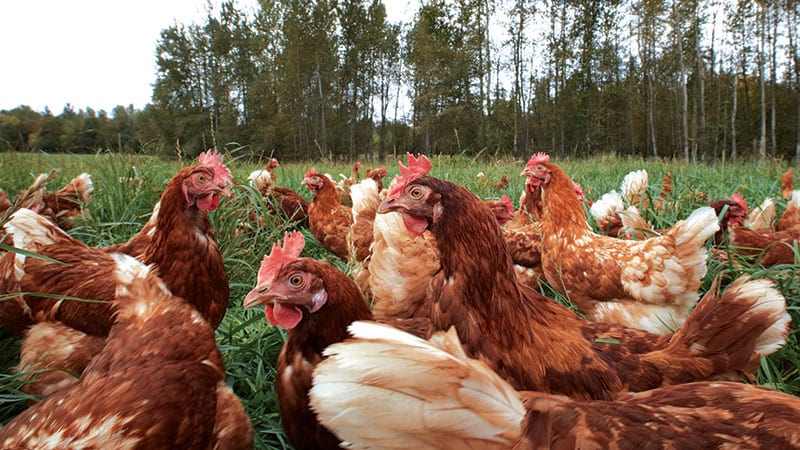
127	187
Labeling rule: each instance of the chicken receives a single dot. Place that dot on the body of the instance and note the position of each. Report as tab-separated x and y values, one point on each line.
402	262
280	200
5	204
735	213
328	220
64	206
377	174
767	248
159	381
493	185
791	215
537	344
366	199
787	184
177	241
502	209
315	302
387	389
651	284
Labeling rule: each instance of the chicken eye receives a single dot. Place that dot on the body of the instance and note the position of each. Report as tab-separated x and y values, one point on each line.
202	179
416	193
296	280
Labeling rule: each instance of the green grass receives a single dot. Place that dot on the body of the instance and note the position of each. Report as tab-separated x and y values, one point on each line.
127	187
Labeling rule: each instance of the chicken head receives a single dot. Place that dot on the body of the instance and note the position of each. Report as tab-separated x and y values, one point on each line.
284	287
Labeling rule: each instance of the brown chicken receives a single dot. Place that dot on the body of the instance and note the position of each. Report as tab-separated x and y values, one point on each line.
328	220
767	248
787	184
791	215
64	207
177	241
315	302
502	209
159	381
378	175
651	284
279	200
537	344
390	390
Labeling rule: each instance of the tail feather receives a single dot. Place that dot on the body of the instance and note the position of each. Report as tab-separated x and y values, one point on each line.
747	322
696	229
389	389
762	216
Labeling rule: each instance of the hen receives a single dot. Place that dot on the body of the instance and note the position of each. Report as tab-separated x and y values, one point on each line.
159	381
390	390
791	215
537	344
177	241
64	207
377	174
328	220
315	302
651	284
280	200
787	184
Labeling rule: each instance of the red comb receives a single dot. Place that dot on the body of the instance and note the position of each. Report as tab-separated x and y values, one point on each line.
537	158
213	160
417	168
280	256
310	172
739	199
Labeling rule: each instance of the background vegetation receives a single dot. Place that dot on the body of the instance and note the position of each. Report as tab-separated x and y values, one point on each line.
127	187
702	80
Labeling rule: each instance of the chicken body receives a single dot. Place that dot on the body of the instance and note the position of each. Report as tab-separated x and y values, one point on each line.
328	219
651	284
315	302
158	383
387	389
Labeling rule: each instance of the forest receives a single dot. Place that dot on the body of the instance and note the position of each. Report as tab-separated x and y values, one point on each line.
695	80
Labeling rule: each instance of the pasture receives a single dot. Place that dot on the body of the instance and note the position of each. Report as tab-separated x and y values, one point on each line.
127	187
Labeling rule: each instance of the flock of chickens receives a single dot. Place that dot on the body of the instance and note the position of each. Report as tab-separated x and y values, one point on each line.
439	337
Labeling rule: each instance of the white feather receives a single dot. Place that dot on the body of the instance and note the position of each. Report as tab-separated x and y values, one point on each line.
388	389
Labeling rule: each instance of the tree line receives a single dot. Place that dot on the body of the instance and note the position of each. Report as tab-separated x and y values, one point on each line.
702	80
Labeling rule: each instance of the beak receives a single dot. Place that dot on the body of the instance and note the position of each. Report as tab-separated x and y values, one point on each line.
526	173
391	204
225	190
260	295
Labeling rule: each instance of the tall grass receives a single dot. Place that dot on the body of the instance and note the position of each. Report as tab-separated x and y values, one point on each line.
127	187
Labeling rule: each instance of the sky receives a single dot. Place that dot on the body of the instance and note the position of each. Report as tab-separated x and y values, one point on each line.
93	53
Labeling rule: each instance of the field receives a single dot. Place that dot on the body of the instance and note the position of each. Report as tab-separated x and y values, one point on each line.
127	187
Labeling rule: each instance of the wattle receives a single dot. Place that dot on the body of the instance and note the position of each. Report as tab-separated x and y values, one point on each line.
287	316
416	225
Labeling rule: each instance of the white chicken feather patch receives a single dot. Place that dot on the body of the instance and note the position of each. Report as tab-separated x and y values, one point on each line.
607	205
29	231
389	389
364	195
767	301
763	215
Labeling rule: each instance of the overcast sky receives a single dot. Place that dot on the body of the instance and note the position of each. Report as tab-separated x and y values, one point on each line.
92	53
